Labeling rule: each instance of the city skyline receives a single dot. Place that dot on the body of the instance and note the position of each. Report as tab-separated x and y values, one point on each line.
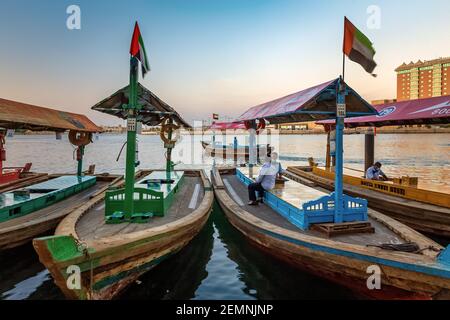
206	56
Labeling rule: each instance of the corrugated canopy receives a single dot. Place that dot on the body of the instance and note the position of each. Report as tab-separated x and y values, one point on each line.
227	126
316	103
152	112
424	111
16	115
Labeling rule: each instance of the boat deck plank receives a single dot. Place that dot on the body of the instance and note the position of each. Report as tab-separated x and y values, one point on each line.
92	225
264	212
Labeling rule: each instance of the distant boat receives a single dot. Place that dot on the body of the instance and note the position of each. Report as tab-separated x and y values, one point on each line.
228	151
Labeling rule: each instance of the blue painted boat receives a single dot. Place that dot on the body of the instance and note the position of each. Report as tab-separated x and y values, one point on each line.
352	260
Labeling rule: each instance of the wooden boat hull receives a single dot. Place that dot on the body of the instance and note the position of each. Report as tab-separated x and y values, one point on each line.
426	218
343	263
19	231
110	264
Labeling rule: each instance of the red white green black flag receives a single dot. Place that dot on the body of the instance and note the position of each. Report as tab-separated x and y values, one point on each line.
358	47
137	50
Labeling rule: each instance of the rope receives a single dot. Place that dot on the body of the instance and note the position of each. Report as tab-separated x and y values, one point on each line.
120	152
410	247
83	248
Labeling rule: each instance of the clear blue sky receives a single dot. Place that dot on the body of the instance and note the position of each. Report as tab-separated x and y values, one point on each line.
206	56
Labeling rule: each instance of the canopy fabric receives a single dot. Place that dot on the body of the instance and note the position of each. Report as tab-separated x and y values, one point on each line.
153	109
423	111
17	115
316	103
228	126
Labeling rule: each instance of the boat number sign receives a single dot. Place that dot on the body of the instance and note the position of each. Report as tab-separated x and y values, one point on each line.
341	110
131	124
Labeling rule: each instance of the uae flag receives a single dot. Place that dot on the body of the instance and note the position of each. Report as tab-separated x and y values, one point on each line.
358	47
137	50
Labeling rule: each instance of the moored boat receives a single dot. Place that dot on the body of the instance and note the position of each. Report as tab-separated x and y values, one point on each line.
240	152
397	201
45	217
106	244
33	203
333	235
347	259
111	256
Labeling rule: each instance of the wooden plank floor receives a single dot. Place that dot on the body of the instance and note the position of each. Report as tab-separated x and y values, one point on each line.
66	205
92	224
382	233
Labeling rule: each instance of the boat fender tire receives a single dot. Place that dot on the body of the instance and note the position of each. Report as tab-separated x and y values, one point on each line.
80	138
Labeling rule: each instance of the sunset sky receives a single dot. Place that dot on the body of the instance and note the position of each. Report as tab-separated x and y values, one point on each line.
219	56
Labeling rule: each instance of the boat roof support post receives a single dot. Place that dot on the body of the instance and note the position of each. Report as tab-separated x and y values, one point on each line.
338	185
252	147
80	154
369	149
130	165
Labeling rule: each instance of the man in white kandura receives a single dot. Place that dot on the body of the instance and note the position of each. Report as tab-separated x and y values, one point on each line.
266	179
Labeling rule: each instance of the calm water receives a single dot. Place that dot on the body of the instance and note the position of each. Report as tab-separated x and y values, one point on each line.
219	263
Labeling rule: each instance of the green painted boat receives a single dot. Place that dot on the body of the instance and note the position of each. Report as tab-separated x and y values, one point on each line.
89	258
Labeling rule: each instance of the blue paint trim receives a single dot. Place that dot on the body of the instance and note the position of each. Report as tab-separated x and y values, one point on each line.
438	269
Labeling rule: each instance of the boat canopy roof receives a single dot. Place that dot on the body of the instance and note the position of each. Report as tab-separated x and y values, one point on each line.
316	103
423	111
227	126
152	112
17	115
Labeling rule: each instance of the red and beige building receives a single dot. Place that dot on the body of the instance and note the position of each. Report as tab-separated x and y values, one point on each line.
423	79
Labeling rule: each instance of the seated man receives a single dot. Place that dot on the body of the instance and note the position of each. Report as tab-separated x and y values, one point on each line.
375	173
265	180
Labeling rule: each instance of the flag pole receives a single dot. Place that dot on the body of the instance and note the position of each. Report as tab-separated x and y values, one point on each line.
338	169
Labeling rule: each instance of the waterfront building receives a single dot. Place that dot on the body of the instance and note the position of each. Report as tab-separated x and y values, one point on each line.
423	79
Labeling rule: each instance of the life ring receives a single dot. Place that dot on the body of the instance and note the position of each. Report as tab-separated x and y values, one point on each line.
167	128
79	139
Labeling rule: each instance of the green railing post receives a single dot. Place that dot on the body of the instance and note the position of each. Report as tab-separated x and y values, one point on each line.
131	140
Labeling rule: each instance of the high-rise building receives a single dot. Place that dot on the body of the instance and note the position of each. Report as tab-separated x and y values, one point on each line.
423	79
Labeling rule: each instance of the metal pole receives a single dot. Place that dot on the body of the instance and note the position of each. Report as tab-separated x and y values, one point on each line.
80	161
131	140
369	149
339	188
169	152
327	160
252	150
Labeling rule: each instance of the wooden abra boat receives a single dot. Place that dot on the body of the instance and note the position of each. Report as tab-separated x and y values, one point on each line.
229	152
111	256
44	215
422	210
343	258
115	237
32	203
333	235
